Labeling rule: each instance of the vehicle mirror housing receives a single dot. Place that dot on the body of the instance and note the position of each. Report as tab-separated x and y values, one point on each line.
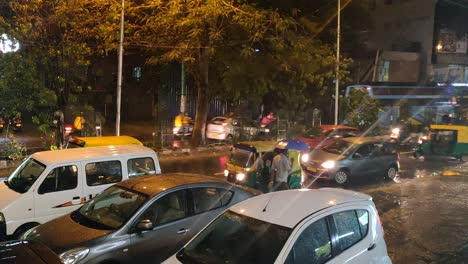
357	156
144	225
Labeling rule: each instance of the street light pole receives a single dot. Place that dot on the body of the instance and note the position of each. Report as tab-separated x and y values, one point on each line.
337	75
119	71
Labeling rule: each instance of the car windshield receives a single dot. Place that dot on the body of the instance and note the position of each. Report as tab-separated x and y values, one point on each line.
25	175
111	209
240	157
340	147
234	238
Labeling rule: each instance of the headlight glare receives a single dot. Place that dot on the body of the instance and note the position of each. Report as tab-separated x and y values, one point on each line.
74	255
305	157
226	173
329	164
240	176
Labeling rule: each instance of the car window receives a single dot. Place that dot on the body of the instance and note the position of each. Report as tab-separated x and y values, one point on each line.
60	179
206	199
140	166
363	218
169	208
313	245
105	172
365	150
348	228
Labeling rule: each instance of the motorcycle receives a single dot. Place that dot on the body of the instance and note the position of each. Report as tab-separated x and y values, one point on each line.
182	131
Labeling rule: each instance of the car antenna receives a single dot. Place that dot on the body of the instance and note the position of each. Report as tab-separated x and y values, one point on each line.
266	205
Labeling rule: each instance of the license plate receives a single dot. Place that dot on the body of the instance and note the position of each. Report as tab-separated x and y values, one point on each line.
312	169
214	134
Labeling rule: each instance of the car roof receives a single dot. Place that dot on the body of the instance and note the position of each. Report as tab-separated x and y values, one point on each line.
288	208
74	154
362	140
152	185
106	140
330	127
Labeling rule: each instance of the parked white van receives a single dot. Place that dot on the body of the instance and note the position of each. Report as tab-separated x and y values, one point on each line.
50	184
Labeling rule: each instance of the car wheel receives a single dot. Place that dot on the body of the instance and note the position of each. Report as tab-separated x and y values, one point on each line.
22	229
464	158
341	177
391	172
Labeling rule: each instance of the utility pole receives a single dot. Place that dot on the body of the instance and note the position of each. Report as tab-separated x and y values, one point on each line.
183	91
337	74
119	71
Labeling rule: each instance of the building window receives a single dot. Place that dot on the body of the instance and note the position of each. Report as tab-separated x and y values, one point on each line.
384	74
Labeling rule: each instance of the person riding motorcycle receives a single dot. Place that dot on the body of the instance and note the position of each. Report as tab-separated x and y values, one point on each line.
267	120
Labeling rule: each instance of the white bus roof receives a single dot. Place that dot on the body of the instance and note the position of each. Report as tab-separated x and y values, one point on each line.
75	154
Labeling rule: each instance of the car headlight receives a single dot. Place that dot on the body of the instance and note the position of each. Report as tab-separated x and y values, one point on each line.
329	164
305	157
396	131
74	255
226	173
420	141
267	130
240	176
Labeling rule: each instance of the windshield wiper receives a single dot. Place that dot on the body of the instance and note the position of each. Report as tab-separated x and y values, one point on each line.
81	219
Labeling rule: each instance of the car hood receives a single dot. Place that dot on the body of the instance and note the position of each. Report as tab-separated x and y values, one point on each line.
319	156
8	196
64	233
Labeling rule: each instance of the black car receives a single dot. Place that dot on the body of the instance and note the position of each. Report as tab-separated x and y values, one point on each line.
26	252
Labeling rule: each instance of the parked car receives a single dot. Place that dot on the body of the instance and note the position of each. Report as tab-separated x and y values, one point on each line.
325	225
27	252
50	184
327	134
352	158
15	123
224	128
142	220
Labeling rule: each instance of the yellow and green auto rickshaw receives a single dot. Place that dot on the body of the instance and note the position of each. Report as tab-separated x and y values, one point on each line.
447	141
242	164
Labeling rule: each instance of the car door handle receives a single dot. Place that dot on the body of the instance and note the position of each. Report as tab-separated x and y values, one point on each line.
182	231
371	247
76	198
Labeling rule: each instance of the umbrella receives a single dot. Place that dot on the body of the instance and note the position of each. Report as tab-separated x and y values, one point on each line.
292	144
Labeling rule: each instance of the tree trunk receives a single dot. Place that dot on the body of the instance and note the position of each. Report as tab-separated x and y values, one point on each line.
201	80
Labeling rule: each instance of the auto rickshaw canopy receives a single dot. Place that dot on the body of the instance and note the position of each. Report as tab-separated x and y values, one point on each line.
258	146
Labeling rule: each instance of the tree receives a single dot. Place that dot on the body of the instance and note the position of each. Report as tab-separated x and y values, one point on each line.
60	62
361	110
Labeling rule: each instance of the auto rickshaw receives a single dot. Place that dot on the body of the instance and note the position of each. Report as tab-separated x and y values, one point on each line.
448	141
242	166
79	142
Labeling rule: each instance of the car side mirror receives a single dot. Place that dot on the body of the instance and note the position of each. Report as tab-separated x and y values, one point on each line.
144	225
357	156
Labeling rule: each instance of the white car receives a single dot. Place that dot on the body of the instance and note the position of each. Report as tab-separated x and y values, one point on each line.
297	226
219	128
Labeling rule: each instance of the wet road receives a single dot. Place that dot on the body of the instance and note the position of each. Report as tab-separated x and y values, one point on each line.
424	213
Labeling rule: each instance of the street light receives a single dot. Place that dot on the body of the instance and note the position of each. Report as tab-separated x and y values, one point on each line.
119	71
337	75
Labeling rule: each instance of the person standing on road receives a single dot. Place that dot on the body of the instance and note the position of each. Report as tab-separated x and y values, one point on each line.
280	169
